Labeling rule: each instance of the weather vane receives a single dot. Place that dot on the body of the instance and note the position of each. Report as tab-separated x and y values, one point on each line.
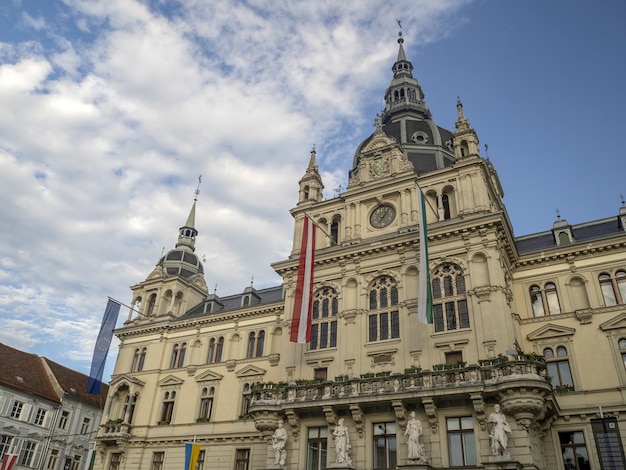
197	191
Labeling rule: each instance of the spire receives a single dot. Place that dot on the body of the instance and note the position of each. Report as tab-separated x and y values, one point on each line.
311	185
187	233
404	94
465	138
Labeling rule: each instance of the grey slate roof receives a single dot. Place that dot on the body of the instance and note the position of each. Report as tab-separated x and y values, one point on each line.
234	302
582	233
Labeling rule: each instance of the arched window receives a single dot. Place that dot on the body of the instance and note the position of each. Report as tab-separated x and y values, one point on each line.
151	304
383	319
211	358
260	343
450	310
613	288
178	356
251	344
558	366
334	232
622	350
216	347
256	343
324	321
169	399
544	301
206	404
445	203
246	399
139	360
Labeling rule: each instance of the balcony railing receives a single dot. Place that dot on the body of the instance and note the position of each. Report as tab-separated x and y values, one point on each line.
114	431
452	378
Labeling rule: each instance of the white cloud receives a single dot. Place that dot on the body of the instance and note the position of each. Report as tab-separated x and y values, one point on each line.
110	115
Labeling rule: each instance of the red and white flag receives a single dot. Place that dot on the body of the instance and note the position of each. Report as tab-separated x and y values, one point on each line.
301	321
8	461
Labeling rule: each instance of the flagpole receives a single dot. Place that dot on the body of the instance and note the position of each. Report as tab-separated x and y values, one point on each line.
320	228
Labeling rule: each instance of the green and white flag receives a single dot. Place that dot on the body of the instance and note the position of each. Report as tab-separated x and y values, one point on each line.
425	299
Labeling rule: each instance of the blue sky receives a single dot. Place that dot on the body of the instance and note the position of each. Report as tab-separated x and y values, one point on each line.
111	109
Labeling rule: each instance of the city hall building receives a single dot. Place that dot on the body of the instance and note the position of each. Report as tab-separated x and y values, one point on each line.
528	338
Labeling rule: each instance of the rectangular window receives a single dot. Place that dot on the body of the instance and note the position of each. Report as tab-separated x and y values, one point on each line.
27	454
5	444
438	317
316	449
384	326
574	450
76	463
320	373
53	458
200	462
16	411
454	357
116	459
157	460
242	459
40	417
461	443
86	426
65	416
385	445
373	327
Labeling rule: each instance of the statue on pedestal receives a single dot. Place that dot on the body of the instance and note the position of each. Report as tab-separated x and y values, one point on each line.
499	432
415	447
279	439
342	443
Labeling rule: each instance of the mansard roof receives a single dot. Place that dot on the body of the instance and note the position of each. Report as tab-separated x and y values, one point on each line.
235	302
582	233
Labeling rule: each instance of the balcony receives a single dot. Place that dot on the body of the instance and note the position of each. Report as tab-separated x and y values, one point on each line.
114	433
520	375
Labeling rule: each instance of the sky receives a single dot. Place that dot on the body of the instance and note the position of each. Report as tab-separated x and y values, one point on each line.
111	109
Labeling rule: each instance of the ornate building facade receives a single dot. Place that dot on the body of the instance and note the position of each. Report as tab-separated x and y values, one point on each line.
523	366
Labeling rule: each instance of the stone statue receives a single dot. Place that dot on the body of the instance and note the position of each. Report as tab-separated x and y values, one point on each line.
414	431
342	443
279	439
499	432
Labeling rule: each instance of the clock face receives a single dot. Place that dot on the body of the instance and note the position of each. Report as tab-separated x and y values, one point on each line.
382	216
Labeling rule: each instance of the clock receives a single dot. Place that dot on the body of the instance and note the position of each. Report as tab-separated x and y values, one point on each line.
382	216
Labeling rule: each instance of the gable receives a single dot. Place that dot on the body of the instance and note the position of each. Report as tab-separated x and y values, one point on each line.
250	371
209	376
550	331
124	378
618	322
170	380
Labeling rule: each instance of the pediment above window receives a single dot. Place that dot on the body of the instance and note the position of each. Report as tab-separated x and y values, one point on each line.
618	322
125	379
209	376
551	331
169	381
250	371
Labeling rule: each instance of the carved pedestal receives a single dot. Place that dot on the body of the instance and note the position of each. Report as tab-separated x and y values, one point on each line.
341	465
502	462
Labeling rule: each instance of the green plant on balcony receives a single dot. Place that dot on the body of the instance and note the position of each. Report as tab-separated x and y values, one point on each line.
113	422
456	365
202	420
163	423
500	359
367	375
560	389
385	373
341	378
412	370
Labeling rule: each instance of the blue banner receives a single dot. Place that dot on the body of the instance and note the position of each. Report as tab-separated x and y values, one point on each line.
191	455
102	347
